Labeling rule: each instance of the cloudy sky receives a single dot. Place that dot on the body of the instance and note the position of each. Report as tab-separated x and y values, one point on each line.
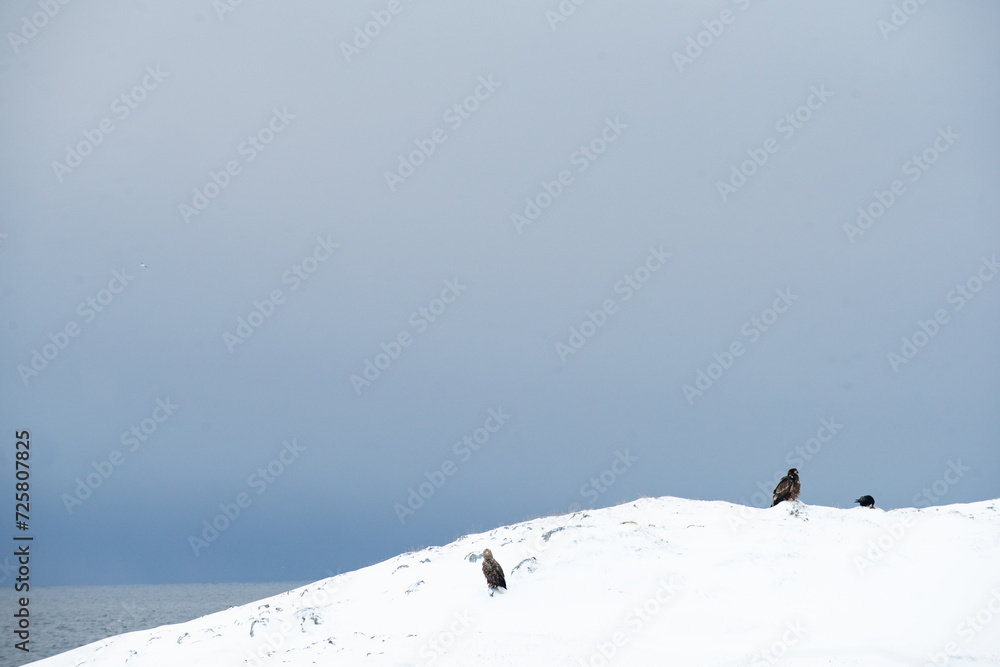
290	288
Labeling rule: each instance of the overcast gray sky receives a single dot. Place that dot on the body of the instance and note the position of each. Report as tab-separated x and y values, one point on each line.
290	288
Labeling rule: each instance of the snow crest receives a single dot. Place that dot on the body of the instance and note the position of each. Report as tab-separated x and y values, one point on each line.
651	582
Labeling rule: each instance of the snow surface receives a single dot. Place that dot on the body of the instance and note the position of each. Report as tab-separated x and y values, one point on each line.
662	581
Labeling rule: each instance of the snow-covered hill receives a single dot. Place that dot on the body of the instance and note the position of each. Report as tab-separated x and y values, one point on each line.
661	581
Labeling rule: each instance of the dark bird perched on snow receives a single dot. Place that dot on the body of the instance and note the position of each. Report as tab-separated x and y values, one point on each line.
493	572
866	501
788	488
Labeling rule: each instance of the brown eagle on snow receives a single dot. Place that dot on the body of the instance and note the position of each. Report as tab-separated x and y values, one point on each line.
788	488
493	572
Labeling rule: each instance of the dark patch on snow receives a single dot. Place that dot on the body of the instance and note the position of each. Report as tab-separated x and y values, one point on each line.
529	564
413	587
399	568
182	637
546	535
310	616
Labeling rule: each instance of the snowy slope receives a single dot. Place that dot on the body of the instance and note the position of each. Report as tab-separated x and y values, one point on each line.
660	581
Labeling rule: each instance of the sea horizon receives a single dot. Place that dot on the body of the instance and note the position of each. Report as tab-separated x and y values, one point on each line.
65	617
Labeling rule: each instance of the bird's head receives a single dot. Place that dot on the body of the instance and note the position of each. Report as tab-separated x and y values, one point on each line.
793	472
487	553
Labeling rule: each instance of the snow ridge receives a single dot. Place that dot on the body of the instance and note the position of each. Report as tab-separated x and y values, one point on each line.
650	582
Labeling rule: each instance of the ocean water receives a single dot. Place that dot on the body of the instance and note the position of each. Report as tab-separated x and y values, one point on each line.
65	617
